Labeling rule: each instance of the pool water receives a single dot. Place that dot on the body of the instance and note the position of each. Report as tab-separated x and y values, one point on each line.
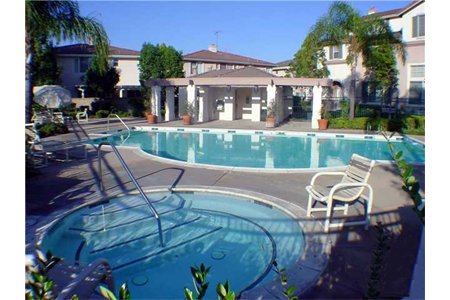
263	151
238	238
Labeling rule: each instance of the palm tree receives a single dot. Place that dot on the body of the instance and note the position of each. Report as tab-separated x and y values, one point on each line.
343	25
59	20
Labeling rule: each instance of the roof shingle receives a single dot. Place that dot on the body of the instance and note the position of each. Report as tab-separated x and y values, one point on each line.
90	49
220	56
243	72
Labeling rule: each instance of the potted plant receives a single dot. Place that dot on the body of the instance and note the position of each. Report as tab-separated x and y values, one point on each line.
188	113
324	116
152	118
270	118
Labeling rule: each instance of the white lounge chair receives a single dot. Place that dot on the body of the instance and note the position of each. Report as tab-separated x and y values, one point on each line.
41	149
349	190
83	116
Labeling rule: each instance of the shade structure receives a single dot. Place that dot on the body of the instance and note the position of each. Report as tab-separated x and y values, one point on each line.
52	96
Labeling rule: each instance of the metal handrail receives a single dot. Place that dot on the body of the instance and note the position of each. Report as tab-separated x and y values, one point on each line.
124	124
152	208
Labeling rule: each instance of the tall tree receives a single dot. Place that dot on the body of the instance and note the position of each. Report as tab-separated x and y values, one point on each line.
159	61
59	20
45	68
101	84
363	36
309	60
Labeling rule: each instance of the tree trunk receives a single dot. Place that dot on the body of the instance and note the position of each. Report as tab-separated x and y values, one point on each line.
28	83
351	113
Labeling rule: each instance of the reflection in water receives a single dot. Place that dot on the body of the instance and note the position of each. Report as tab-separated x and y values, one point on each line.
261	151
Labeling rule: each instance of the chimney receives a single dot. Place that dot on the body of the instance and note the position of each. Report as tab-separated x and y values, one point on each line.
212	48
371	11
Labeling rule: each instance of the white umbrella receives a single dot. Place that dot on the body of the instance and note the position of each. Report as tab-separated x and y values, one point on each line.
52	96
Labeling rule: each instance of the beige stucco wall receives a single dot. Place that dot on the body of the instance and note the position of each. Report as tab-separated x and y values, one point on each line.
129	71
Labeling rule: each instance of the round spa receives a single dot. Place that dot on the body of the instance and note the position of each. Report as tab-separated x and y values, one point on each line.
237	236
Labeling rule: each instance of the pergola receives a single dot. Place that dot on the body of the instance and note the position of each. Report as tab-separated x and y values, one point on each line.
203	93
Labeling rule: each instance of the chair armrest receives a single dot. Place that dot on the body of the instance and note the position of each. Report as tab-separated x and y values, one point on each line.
350	184
326	173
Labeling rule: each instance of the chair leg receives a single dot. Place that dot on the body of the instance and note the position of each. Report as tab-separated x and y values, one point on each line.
328	217
346	209
310	203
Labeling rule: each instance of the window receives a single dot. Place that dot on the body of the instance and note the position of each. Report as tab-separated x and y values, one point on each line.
336	52
371	92
196	68
81	64
416	92
418	71
418	26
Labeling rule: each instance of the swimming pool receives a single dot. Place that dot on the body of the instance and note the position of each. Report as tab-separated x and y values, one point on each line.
281	150
238	236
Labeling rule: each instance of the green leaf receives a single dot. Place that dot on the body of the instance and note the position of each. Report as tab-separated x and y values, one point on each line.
231	296
411	180
227	286
282	270
41	256
290	290
294	298
391	146
124	292
189	294
107	293
398	155
74	297
408	171
48	285
221	290
284	280
401	164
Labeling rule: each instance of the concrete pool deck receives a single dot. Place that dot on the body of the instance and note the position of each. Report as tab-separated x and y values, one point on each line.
61	186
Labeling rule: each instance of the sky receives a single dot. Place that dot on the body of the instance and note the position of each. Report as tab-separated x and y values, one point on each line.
270	31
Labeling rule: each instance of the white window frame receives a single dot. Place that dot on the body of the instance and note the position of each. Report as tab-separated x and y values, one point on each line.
333	52
418	27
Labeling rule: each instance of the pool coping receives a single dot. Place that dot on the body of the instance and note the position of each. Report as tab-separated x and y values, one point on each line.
138	151
312	261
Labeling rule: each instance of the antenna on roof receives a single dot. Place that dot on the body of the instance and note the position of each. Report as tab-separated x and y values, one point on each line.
216	32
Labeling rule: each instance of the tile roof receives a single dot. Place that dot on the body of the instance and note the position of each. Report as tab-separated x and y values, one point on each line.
394	13
219	56
284	63
243	72
89	49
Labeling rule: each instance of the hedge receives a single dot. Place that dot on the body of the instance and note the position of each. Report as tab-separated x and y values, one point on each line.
410	123
50	129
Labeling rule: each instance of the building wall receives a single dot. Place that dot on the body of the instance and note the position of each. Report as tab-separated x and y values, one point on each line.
210	66
415	48
129	73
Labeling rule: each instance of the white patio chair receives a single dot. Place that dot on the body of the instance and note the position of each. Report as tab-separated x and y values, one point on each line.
349	190
42	149
83	116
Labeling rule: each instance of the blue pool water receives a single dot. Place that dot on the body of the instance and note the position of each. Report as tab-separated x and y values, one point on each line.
263	151
238	238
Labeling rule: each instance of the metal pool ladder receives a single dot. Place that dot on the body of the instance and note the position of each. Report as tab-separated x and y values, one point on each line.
102	188
120	119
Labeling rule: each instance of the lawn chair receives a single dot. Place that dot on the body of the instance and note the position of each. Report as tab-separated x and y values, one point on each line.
349	190
42	149
83	116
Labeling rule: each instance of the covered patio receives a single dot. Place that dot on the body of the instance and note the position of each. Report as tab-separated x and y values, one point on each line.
230	95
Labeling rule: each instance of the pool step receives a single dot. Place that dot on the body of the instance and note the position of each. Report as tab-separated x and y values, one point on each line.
130	252
125	216
112	236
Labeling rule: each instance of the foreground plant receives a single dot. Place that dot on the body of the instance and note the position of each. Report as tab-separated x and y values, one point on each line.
288	292
224	292
200	284
124	293
410	184
378	257
38	284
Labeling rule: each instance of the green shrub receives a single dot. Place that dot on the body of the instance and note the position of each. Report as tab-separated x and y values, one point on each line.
410	123
50	129
420	122
102	113
123	114
138	107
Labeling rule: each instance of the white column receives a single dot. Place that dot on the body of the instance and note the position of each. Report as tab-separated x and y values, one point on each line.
182	99
191	100
229	105
170	94
316	106
156	101
271	98
203	114
289	103
256	105
121	93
